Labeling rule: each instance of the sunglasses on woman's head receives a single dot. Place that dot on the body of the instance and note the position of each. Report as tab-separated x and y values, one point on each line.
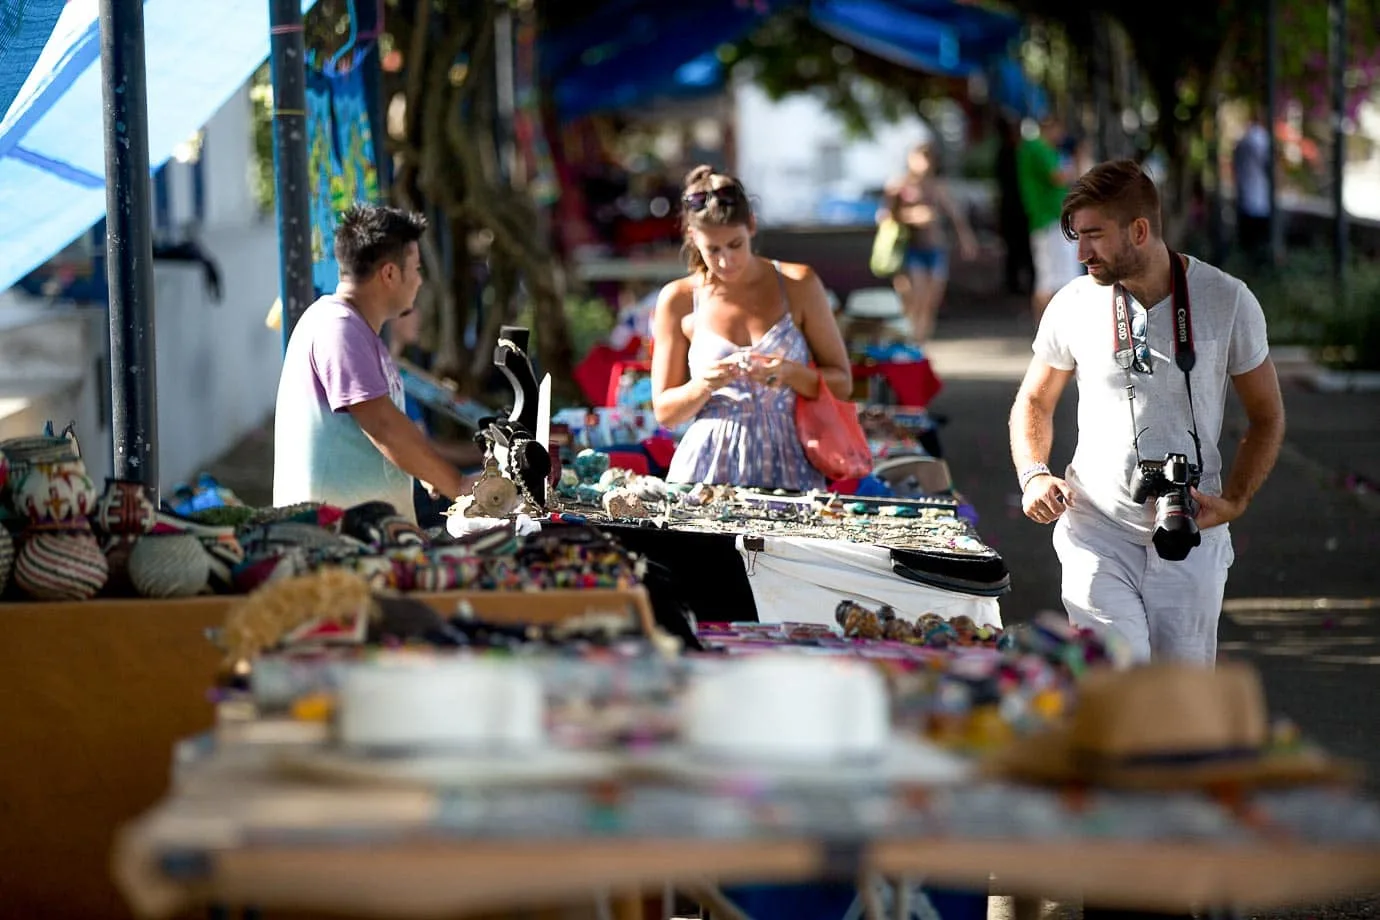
725	195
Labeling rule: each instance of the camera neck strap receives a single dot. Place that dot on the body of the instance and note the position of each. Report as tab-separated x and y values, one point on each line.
1123	349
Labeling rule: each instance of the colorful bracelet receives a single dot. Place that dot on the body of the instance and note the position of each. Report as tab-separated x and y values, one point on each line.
1030	472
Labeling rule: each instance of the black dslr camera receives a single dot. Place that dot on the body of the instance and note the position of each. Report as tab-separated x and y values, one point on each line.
1167	481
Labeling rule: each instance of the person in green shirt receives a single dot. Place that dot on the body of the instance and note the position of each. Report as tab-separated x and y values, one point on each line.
1044	176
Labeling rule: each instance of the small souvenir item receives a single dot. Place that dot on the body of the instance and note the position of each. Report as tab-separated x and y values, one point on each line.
590	464
494	496
378	525
623	503
897	630
169	565
55	493
20	453
61	565
124	509
6	557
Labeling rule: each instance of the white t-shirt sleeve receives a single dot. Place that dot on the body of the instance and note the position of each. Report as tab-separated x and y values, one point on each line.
1051	340
1250	345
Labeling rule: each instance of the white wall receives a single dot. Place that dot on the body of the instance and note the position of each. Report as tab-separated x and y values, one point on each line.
229	154
784	158
217	363
52	368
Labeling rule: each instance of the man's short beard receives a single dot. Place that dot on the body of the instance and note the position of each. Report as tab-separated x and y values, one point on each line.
1129	263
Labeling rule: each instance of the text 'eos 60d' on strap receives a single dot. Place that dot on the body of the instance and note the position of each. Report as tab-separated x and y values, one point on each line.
1123	349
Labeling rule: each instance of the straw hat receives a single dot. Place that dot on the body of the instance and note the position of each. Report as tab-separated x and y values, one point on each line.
1167	726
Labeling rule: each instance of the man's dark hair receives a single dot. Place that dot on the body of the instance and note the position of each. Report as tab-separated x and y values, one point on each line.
1118	188
368	236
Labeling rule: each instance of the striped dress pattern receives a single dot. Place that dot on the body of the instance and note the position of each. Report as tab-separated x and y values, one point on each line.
745	435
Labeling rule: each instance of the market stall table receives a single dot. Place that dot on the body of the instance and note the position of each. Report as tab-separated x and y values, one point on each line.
95	693
727	568
234	832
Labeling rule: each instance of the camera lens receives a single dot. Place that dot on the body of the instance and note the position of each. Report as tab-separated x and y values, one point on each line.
1176	532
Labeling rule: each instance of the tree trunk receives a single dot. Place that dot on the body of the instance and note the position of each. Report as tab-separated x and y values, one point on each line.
449	164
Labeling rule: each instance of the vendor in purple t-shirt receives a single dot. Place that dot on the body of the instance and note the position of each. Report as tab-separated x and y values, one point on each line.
341	436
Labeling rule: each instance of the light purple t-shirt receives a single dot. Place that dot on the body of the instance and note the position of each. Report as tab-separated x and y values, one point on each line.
334	360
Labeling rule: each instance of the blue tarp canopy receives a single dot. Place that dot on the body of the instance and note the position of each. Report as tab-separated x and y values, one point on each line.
631	52
52	153
25	26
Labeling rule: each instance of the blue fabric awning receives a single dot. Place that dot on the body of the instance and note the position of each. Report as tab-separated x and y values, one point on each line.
52	154
25	26
632	52
934	36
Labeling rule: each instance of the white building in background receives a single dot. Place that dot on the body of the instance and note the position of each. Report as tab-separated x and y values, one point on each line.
794	155
1361	178
217	362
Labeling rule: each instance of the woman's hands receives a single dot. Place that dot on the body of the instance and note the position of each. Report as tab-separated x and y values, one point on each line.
722	372
776	371
764	370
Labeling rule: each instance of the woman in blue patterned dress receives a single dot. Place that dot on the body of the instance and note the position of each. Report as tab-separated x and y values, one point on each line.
733	347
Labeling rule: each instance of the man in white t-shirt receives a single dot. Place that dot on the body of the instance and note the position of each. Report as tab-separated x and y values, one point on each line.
1132	388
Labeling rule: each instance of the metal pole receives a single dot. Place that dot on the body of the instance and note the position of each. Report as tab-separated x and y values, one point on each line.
1336	13
293	189
1272	118
129	244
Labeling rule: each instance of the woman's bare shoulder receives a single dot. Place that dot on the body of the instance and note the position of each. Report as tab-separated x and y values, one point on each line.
797	273
679	295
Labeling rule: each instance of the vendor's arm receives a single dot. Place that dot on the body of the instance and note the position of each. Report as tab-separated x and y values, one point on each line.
1258	391
676	398
400	440
1045	496
816	320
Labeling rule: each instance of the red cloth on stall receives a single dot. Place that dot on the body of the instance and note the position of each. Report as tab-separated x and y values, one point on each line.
914	382
597	375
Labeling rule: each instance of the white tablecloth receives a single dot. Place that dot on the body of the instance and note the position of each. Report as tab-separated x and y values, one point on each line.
802	579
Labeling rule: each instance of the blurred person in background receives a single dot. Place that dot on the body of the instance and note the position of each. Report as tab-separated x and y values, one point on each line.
734	344
1044	174
920	201
1250	163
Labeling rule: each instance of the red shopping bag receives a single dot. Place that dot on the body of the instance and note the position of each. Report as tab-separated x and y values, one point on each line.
832	436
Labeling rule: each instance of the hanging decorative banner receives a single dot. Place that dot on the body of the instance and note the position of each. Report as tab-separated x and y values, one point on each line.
341	160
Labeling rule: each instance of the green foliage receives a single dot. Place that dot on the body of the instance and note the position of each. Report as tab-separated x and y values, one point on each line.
589	318
789	55
1302	307
261	97
1303	47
